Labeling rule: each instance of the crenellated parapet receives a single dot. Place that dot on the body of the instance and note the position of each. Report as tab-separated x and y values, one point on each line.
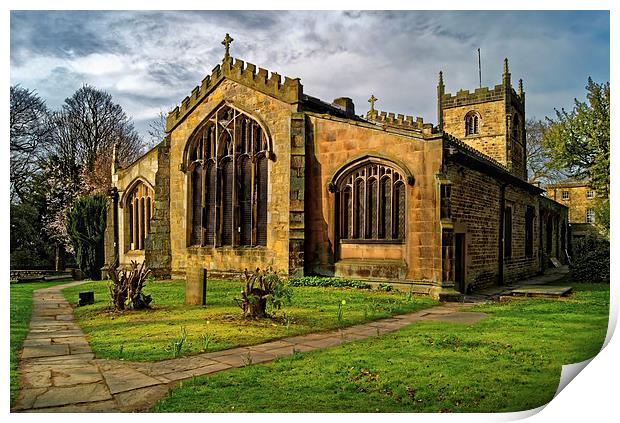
290	91
400	121
480	95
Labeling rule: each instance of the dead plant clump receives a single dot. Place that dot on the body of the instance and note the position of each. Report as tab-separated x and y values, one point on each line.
126	287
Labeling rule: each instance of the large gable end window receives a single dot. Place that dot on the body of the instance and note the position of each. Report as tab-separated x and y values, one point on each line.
371	204
227	168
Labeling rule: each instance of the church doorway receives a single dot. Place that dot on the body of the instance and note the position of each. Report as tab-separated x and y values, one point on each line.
459	262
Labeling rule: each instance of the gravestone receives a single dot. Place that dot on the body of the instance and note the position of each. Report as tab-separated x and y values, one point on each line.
196	286
87	297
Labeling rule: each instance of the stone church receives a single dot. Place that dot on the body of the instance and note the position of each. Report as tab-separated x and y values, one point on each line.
253	172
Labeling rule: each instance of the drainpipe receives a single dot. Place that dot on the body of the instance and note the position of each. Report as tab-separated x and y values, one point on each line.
502	206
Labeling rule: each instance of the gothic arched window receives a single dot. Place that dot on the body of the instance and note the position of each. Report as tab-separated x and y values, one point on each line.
227	167
472	123
372	203
139	205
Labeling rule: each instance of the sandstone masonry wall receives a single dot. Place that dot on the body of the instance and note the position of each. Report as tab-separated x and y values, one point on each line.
331	143
143	169
229	261
476	211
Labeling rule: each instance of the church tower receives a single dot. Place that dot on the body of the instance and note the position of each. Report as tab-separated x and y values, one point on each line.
490	120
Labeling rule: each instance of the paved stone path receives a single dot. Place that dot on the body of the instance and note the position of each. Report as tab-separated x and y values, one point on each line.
59	373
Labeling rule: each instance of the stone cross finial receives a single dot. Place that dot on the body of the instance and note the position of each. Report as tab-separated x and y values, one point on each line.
372	100
226	43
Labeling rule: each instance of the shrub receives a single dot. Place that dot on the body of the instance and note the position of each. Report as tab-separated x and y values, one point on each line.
385	287
328	281
590	261
262	289
85	226
126	287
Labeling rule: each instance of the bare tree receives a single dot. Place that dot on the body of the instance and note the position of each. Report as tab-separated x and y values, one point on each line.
78	162
539	170
157	129
30	134
89	124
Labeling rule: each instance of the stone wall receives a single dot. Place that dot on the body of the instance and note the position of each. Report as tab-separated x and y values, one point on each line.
476	210
157	242
491	139
332	142
142	170
275	115
496	109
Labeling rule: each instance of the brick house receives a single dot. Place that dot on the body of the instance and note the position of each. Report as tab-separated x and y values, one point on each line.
254	172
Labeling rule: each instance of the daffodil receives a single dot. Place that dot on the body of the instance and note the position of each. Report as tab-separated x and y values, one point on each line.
343	302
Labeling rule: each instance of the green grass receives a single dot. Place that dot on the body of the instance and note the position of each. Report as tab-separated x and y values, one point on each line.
147	335
21	313
509	361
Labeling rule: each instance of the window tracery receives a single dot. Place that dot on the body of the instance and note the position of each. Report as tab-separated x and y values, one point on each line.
372	204
228	180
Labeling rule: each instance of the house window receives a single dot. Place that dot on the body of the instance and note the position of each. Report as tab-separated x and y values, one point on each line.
565	195
529	231
139	208
372	204
472	122
590	216
590	194
508	231
227	166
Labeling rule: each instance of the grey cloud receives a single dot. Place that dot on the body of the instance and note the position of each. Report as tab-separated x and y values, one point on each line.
395	54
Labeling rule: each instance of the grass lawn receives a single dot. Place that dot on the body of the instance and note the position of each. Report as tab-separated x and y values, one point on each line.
21	312
146	335
509	361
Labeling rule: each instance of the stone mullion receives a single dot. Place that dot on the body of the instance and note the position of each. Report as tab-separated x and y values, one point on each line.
393	200
351	212
377	205
219	198
250	139
354	203
203	200
140	223
135	223
235	204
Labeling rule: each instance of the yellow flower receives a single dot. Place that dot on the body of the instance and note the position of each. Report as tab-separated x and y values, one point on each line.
343	302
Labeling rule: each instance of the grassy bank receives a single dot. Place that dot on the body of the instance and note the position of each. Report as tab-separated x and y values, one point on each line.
147	335
508	361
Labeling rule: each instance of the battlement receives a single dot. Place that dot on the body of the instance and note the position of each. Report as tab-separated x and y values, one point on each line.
484	94
400	121
244	73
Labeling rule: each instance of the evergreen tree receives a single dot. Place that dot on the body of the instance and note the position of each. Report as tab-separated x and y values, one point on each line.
85	226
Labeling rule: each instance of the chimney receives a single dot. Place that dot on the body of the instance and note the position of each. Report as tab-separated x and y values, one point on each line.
345	104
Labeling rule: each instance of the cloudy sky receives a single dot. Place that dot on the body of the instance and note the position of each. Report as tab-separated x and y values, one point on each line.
149	61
